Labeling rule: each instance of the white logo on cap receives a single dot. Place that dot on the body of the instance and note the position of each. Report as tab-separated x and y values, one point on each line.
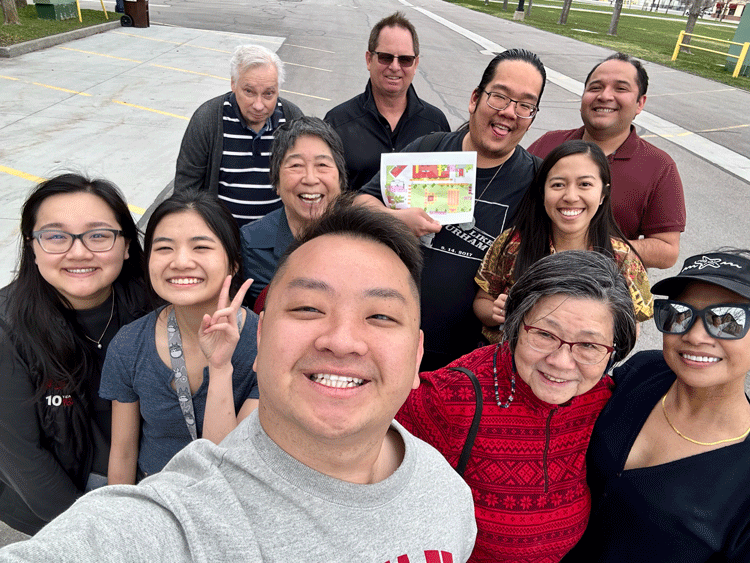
706	262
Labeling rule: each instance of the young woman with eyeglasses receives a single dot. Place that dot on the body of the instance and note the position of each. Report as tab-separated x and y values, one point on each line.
79	280
567	207
669	456
184	371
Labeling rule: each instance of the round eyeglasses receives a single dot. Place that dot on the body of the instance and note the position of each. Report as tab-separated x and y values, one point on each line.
499	102
587	353
54	241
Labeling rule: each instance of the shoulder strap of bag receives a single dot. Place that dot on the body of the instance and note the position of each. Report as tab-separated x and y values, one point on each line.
474	428
431	141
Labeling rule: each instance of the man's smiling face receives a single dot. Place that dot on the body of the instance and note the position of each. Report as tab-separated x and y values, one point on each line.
392	80
611	99
339	344
494	134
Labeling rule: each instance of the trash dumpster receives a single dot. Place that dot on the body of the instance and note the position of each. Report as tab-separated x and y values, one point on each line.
56	9
136	14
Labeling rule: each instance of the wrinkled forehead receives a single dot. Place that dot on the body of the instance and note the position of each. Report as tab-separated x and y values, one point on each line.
260	74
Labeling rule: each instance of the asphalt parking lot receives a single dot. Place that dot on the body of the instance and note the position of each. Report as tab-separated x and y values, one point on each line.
114	105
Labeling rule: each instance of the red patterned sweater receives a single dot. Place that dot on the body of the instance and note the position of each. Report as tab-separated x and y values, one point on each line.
527	470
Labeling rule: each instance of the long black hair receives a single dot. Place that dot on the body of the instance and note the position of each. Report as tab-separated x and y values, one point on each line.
488	75
42	320
533	226
217	217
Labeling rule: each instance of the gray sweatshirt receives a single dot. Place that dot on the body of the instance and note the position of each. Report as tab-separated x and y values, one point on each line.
248	500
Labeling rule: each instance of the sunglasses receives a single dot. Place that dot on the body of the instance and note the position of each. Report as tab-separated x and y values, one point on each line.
725	321
404	61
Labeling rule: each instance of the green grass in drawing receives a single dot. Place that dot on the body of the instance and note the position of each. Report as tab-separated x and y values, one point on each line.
438	198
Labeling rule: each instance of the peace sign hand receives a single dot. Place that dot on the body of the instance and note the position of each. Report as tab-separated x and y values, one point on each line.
218	334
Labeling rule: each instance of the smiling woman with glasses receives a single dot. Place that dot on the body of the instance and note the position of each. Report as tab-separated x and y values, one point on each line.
69	298
518	432
669	458
54	241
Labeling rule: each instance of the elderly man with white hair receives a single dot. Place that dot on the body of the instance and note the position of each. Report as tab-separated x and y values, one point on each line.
227	145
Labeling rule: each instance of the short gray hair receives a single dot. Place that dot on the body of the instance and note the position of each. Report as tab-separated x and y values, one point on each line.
286	135
581	274
247	56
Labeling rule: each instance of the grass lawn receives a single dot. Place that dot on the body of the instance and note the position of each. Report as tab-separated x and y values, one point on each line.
33	27
648	39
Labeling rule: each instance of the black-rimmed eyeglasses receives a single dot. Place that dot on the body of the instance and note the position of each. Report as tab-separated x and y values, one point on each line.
404	61
54	241
725	321
588	353
499	102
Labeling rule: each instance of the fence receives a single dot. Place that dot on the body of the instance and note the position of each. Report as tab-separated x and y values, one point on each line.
740	58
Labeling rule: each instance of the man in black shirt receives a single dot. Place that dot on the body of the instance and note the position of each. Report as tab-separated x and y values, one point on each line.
388	115
501	108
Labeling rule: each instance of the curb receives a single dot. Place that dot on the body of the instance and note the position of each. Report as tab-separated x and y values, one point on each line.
52	40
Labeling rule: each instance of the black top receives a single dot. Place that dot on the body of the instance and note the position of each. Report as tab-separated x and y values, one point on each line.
366	134
453	256
695	509
49	443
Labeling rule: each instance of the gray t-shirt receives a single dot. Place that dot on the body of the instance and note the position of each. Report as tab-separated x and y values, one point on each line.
248	500
133	371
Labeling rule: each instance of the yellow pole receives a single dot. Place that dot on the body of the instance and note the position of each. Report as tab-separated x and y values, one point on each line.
677	47
78	7
106	17
740	60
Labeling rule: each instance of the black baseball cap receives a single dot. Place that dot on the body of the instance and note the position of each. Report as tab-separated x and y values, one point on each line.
729	271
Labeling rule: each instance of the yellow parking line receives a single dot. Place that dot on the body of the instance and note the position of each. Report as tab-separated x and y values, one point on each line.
223	78
307	66
151	110
687	133
305	95
61	89
208	48
311	48
47	86
148	38
19	174
190	71
172	42
37	180
725	128
99	54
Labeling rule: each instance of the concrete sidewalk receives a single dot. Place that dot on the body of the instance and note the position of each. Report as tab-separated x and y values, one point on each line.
113	105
